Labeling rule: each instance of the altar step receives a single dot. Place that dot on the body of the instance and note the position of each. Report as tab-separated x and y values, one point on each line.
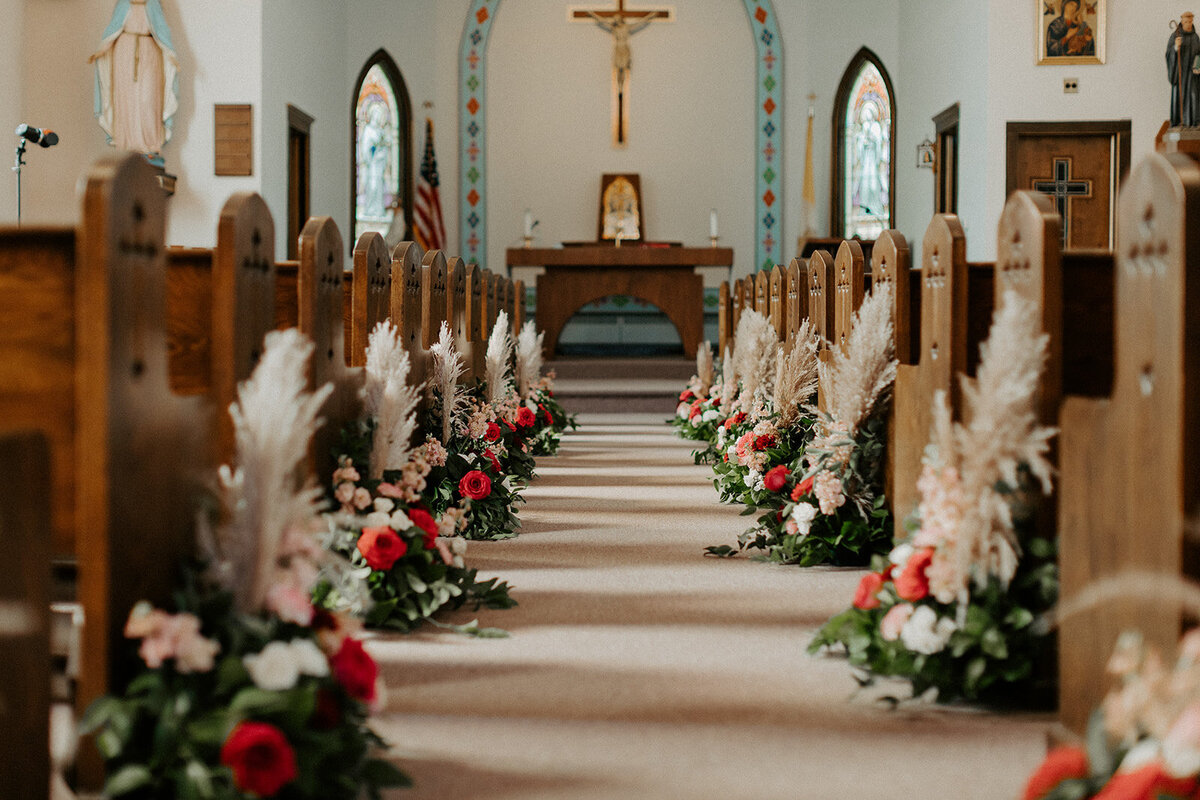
612	385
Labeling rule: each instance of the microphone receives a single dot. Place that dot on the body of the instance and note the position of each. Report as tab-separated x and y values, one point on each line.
40	136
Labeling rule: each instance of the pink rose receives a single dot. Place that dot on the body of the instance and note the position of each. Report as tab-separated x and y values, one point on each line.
912	583
290	604
893	621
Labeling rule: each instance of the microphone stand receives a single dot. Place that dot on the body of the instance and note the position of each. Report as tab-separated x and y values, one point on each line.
20	162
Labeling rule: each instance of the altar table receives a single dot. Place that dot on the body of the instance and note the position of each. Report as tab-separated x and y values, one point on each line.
664	276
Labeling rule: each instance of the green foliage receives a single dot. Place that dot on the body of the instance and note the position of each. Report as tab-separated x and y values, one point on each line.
161	735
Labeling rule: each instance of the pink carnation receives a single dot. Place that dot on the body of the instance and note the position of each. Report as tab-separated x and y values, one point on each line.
893	621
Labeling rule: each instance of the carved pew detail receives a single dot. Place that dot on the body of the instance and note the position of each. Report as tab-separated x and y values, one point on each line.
724	315
778	301
321	306
371	292
1129	471
797	295
762	293
942	356
848	289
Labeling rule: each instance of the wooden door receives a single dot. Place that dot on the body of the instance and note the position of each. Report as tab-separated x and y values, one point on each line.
299	187
1079	165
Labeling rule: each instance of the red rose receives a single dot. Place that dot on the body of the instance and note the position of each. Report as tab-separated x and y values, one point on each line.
776	478
803	488
511	427
763	442
493	432
867	596
912	583
1150	781
490	456
261	759
424	520
381	547
686	395
549	416
1062	763
526	417
355	670
475	485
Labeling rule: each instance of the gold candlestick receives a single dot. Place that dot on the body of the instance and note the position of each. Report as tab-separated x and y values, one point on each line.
528	242
713	239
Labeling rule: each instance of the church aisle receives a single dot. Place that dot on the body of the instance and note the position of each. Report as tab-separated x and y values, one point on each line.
639	669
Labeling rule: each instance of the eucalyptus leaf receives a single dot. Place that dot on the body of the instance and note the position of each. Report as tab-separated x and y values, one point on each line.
127	779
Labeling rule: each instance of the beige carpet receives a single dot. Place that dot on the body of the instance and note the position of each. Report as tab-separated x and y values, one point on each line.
639	669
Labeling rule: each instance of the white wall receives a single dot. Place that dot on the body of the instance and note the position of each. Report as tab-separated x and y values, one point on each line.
691	134
927	84
1132	84
220	61
303	64
11	91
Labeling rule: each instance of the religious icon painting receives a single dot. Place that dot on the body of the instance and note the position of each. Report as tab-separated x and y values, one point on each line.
1071	31
620	207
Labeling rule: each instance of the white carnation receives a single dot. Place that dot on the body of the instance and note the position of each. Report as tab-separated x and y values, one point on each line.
275	669
384	504
925	632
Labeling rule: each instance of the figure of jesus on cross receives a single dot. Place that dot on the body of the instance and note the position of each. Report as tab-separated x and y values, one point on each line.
621	24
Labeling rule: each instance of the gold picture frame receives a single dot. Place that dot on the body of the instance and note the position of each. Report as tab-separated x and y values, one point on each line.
1067	35
620	208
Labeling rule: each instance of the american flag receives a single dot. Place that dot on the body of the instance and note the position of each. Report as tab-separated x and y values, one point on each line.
429	228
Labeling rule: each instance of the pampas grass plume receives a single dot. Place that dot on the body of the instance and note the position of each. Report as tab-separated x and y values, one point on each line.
447	369
499	353
389	399
529	358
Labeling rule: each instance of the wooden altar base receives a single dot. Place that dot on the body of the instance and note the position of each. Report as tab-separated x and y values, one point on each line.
664	276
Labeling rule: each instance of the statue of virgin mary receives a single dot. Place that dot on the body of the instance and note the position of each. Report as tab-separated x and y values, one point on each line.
137	79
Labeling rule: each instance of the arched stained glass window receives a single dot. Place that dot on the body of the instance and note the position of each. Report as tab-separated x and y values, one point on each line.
381	191
864	187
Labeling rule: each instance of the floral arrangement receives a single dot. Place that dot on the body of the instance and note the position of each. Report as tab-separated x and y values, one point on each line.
406	559
833	510
245	690
1143	742
536	393
952	607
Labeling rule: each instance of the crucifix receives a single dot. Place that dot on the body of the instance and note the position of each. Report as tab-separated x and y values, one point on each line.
1061	189
622	24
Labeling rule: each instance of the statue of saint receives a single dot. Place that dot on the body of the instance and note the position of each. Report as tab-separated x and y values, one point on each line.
870	190
137	78
375	150
1183	71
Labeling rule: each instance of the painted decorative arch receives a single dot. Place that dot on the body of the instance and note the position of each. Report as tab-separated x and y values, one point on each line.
865	56
472	130
391	71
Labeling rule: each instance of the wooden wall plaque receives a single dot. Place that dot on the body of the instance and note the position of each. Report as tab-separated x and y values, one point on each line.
233	139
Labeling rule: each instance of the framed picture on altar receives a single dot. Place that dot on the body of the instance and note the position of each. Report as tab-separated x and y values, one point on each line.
1071	31
620	207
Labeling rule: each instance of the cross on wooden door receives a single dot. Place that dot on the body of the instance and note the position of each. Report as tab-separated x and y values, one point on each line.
1062	189
621	23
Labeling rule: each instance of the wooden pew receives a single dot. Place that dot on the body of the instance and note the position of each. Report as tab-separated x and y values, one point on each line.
778	301
724	316
320	301
849	288
25	617
797	295
739	304
939	358
1130	462
476	327
371	293
518	305
456	313
433	297
140	451
762	293
891	266
821	305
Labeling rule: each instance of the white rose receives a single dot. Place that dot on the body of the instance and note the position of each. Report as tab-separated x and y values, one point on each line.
309	658
710	415
376	519
399	521
275	668
804	514
683	410
901	554
925	632
754	479
384	504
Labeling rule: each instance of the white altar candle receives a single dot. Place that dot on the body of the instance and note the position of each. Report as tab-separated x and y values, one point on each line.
712	224
528	222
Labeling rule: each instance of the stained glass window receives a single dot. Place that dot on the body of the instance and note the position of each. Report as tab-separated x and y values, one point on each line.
381	133
866	130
